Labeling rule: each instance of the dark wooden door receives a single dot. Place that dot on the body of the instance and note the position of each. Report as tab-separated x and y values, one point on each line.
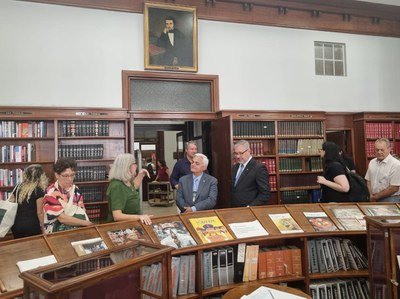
221	152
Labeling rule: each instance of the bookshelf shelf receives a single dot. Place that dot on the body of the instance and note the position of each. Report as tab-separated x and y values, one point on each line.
90	137
300	188
341	273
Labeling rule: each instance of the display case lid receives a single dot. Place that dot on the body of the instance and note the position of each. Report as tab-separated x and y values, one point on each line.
87	270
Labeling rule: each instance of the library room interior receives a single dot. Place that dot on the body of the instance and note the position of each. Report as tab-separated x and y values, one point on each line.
210	149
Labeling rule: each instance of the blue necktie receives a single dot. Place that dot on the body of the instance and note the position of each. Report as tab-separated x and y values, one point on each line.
239	173
195	187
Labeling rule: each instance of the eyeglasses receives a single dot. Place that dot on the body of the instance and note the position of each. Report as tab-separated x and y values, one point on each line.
240	153
68	176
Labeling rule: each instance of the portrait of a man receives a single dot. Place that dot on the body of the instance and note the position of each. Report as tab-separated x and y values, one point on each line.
170	37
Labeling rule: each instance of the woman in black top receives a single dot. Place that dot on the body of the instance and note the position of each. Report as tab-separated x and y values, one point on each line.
333	182
29	195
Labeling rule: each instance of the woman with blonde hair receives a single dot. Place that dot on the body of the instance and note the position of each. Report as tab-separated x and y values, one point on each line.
29	195
123	197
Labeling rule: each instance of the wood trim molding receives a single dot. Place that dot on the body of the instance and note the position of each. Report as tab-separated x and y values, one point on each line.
348	16
127	76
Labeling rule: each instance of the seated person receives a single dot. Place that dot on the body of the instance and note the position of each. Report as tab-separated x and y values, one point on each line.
63	202
198	190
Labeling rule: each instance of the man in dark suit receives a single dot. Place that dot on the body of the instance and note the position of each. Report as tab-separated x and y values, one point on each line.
174	43
250	179
198	190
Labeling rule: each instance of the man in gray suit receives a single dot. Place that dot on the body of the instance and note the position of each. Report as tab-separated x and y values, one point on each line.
198	190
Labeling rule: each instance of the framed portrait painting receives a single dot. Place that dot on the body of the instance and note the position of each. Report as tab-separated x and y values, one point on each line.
170	37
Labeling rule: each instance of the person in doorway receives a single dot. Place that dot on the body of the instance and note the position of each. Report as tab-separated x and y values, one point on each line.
29	196
163	171
383	174
123	197
198	190
182	167
250	178
334	182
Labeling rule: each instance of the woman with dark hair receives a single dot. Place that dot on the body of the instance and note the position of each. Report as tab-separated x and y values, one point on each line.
63	202
163	172
29	195
334	183
348	161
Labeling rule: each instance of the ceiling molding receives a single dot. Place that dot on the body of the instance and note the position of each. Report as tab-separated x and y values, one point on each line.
348	16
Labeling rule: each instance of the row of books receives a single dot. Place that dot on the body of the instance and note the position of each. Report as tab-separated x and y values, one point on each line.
296	196
183	270
259	129
10	177
91	173
218	267
151	280
378	130
304	180
279	261
259	148
82	151
269	163
290	165
4	195
341	289
300	128
69	128
91	194
326	255
314	164
92	265
300	146
12	129
94	213
16	153
272	183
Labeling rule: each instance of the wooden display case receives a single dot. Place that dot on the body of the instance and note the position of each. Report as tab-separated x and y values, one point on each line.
193	253
383	234
160	194
114	272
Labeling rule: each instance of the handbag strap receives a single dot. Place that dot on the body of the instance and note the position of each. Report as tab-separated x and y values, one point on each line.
12	192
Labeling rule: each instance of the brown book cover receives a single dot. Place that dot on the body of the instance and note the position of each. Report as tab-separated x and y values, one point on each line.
270	257
262	264
296	260
287	260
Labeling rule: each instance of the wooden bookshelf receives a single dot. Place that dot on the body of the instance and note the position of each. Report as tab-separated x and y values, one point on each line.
93	137
369	126
287	143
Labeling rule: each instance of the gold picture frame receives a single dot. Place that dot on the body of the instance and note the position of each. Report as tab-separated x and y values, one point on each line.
170	37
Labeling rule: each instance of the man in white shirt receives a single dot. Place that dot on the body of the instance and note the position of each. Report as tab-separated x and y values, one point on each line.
383	174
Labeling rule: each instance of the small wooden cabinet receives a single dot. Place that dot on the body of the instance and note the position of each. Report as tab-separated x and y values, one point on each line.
383	235
160	194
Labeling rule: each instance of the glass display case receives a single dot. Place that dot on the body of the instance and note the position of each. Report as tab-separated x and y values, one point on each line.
383	250
121	272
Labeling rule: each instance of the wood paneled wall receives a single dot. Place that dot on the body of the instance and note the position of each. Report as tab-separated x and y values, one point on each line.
347	16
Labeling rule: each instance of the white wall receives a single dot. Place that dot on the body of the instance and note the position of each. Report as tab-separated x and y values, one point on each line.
170	148
53	55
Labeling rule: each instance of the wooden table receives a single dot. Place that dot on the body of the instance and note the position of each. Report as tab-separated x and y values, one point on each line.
238	292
